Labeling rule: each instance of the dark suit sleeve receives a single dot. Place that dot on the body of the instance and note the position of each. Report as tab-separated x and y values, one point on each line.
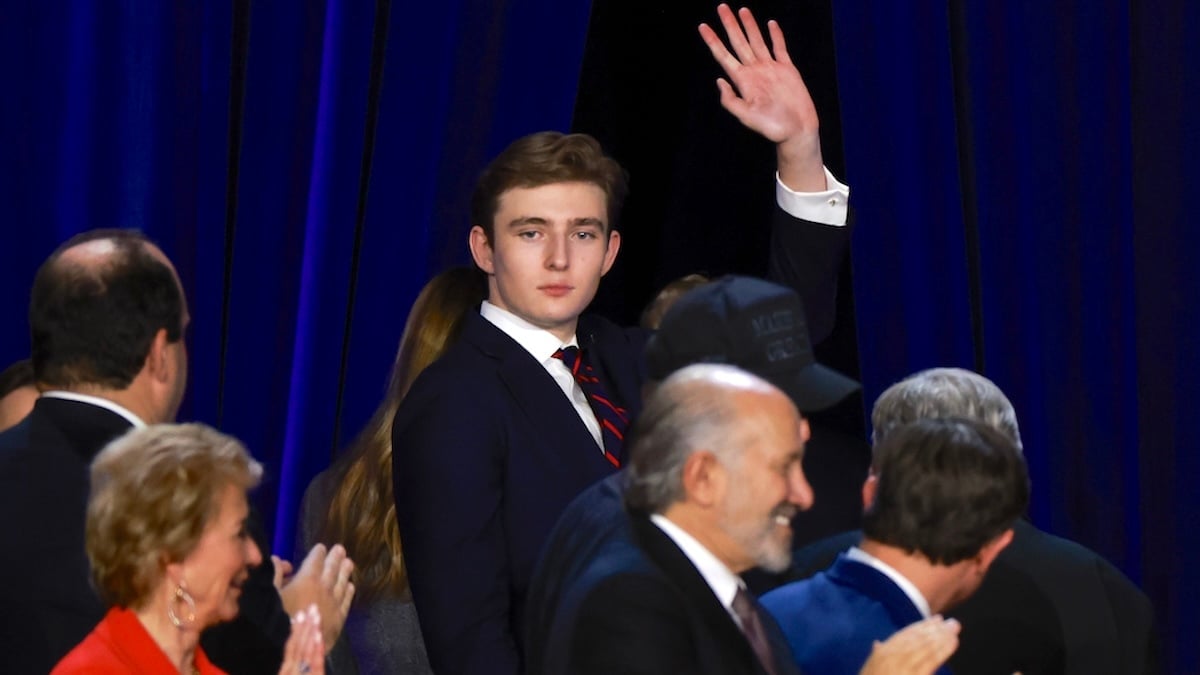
631	625
447	456
807	257
1135	622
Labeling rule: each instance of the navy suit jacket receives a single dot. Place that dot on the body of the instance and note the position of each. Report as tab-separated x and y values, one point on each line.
594	521
49	601
639	606
1047	606
487	452
832	620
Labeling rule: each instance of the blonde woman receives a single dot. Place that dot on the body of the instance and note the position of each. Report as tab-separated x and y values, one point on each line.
169	552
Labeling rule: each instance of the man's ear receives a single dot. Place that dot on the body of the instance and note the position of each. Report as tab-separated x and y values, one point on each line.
703	478
481	249
158	361
870	485
610	254
987	554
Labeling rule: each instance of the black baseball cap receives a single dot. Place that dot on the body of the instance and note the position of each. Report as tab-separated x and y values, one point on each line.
755	325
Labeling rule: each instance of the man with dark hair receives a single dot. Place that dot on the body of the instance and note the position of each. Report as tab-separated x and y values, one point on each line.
17	393
1048	605
941	500
714	479
107	319
550	391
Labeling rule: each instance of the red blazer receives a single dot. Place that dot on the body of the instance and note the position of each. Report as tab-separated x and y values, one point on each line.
119	644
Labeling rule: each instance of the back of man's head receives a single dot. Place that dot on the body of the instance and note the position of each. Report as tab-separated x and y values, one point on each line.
944	488
944	392
96	305
694	408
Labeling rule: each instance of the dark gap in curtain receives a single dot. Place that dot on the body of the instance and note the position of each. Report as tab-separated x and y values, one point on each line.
239	47
964	135
379	38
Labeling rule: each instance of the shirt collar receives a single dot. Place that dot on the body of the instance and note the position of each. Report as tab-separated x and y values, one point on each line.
98	402
539	342
858	555
723	582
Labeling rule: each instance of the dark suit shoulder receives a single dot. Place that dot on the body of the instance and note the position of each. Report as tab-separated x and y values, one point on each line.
820	554
1049	600
637	609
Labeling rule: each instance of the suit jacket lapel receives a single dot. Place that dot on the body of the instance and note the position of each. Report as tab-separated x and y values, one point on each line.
539	397
615	360
672	561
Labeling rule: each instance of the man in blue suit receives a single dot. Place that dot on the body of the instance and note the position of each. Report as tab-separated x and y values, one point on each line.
529	407
1048	606
942	498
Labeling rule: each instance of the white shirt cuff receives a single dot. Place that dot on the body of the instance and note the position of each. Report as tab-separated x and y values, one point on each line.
828	207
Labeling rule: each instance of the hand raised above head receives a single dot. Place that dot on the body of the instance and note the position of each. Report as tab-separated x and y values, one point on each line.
768	95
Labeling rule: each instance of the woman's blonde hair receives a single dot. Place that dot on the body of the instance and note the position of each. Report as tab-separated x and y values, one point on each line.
362	511
154	490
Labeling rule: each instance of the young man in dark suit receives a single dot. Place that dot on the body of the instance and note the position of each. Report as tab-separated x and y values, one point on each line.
107	318
714	479
1048	605
495	439
941	499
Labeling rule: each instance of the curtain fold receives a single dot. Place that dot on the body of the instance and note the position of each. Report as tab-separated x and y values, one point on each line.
1075	154
1025	164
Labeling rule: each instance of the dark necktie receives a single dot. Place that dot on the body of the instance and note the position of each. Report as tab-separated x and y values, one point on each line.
613	419
749	613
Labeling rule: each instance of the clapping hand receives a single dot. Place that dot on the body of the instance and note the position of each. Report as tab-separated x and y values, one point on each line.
324	580
918	649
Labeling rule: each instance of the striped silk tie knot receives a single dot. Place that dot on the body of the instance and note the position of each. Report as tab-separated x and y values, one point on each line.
613	418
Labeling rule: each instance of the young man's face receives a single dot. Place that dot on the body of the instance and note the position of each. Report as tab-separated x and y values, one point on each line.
550	246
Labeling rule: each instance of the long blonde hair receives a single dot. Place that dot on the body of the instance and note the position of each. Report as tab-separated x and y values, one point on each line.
362	511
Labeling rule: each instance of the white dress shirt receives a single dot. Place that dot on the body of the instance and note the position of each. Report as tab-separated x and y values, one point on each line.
723	582
828	207
98	402
541	345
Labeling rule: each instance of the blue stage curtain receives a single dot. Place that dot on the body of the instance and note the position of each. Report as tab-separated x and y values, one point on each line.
306	165
1019	171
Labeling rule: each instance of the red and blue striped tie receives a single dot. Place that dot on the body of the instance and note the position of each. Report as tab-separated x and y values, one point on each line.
613	418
